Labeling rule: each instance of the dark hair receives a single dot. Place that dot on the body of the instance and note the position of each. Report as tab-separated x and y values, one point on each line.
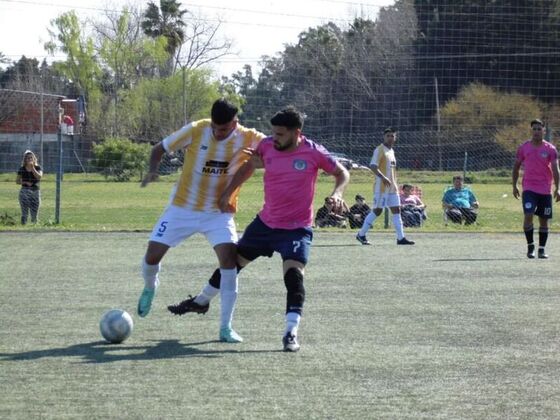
288	117
359	197
406	186
223	111
389	130
457	177
536	121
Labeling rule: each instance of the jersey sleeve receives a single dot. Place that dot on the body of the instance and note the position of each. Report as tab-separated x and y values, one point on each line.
376	157
180	139
326	162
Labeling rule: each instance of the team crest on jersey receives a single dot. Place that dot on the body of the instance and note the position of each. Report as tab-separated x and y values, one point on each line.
300	165
203	147
544	154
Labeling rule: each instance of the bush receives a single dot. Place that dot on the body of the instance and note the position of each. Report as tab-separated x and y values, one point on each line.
121	158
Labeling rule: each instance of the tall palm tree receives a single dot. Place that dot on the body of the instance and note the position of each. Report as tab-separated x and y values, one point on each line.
166	20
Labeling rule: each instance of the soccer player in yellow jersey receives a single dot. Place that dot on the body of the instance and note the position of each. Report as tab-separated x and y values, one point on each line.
385	188
214	149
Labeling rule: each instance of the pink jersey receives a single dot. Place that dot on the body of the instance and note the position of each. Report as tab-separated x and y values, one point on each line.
289	182
537	170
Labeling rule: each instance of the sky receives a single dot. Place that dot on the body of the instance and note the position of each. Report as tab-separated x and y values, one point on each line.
256	27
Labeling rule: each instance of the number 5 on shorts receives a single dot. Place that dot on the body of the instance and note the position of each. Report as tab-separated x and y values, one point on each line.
162	228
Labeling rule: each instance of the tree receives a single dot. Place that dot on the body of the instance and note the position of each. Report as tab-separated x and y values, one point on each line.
166	21
81	65
463	41
505	116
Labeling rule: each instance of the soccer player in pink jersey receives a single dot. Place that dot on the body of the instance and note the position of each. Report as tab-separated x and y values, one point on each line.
291	165
539	159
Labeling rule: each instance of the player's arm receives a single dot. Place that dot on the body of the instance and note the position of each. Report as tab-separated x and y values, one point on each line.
377	172
243	174
556	177
18	179
515	177
342	177
155	158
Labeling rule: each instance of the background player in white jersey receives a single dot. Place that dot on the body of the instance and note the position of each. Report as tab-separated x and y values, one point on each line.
214	149
385	188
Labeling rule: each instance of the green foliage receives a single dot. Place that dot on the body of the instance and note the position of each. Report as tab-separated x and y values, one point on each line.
7	219
121	158
506	115
81	65
156	107
478	106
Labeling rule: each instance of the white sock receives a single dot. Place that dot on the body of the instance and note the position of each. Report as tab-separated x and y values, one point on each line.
207	293
370	218
292	322
150	274
397	222
228	295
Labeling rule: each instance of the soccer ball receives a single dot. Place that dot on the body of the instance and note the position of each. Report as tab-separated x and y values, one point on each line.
116	325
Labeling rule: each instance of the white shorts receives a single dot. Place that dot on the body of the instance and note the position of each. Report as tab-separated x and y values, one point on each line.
386	200
177	224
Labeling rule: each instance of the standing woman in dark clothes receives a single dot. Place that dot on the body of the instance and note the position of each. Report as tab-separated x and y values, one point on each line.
28	177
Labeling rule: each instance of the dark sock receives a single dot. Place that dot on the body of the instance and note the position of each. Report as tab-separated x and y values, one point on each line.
529	235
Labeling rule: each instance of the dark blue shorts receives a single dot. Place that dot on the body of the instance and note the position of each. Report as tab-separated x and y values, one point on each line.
538	204
260	240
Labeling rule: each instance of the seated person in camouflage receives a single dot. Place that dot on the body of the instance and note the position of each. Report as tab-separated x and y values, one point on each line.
327	216
358	212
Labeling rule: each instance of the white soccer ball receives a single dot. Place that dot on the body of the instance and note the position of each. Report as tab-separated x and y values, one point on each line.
116	325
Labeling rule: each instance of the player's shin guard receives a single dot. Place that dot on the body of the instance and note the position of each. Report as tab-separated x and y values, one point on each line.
397	222
528	230
215	280
228	296
370	218
543	236
293	279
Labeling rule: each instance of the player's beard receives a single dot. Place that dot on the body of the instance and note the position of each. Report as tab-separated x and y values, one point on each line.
280	147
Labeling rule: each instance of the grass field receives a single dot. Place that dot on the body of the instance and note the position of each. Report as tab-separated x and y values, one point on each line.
93	204
458	326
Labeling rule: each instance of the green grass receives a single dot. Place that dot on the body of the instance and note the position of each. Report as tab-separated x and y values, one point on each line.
93	204
458	326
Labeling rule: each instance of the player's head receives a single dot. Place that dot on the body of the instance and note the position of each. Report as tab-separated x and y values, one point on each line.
407	188
29	156
286	128
389	136
224	118
359	198
458	181
537	128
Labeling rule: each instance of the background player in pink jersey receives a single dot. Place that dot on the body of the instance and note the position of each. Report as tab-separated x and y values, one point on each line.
291	163
539	159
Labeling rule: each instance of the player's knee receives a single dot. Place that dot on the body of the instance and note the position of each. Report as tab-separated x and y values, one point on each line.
293	279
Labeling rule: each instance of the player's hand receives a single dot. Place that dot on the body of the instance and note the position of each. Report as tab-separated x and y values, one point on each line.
516	193
150	177
338	204
387	182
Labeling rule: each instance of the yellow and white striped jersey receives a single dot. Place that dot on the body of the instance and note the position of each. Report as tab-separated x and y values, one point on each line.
209	164
384	159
